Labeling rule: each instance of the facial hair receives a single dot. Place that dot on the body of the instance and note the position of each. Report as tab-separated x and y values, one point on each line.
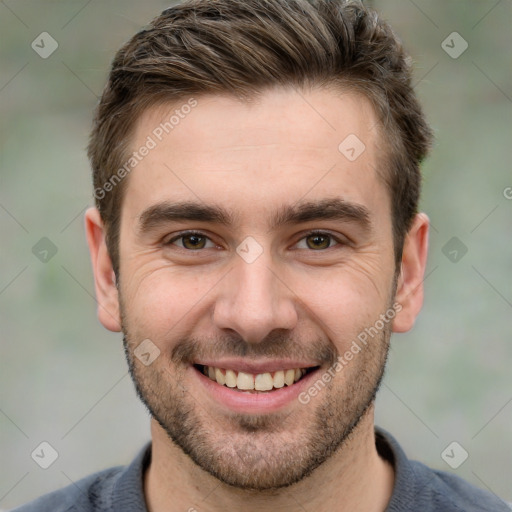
259	452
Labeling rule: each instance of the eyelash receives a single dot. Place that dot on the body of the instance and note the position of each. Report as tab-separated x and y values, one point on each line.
200	234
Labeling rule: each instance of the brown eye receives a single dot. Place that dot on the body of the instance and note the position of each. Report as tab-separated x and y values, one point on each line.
319	241
193	241
190	241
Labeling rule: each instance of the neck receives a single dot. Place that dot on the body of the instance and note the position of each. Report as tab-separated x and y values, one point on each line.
356	478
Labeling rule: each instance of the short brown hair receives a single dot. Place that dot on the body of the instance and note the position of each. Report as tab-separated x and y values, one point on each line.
242	47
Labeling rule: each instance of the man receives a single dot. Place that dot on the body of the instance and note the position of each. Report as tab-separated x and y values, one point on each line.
256	239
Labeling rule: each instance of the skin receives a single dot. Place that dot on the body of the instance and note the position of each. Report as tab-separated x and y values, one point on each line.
295	299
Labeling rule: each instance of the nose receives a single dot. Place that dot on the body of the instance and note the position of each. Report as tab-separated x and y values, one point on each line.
254	300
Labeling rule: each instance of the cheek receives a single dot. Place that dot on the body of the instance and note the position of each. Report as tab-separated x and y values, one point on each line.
162	301
342	302
167	303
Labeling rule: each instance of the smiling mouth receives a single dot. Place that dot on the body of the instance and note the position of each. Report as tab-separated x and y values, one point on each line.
254	383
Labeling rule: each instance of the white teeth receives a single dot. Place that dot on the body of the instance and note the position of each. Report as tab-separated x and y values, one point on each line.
263	382
279	379
245	381
248	382
219	377
230	379
289	377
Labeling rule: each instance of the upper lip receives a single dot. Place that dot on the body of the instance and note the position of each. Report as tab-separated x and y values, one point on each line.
256	367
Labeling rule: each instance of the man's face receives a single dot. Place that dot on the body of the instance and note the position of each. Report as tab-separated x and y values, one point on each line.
256	295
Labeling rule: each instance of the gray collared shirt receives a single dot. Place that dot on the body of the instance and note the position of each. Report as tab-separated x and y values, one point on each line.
417	488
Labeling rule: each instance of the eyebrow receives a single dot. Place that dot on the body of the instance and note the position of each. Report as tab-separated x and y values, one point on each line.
303	211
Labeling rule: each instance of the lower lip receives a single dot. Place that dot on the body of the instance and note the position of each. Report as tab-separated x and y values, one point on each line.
254	403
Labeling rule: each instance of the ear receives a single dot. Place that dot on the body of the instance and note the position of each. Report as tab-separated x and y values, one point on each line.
409	292
104	277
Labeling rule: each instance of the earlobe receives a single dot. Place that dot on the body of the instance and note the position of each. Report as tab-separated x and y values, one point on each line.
104	277
409	292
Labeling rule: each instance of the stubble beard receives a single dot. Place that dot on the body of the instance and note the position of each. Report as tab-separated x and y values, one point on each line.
261	453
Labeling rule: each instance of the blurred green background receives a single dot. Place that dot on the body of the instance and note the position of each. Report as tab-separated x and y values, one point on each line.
63	377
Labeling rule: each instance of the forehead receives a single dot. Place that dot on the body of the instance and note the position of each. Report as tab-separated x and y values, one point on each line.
283	146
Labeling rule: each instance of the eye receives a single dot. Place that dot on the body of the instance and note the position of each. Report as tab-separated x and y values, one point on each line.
196	240
319	240
191	240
